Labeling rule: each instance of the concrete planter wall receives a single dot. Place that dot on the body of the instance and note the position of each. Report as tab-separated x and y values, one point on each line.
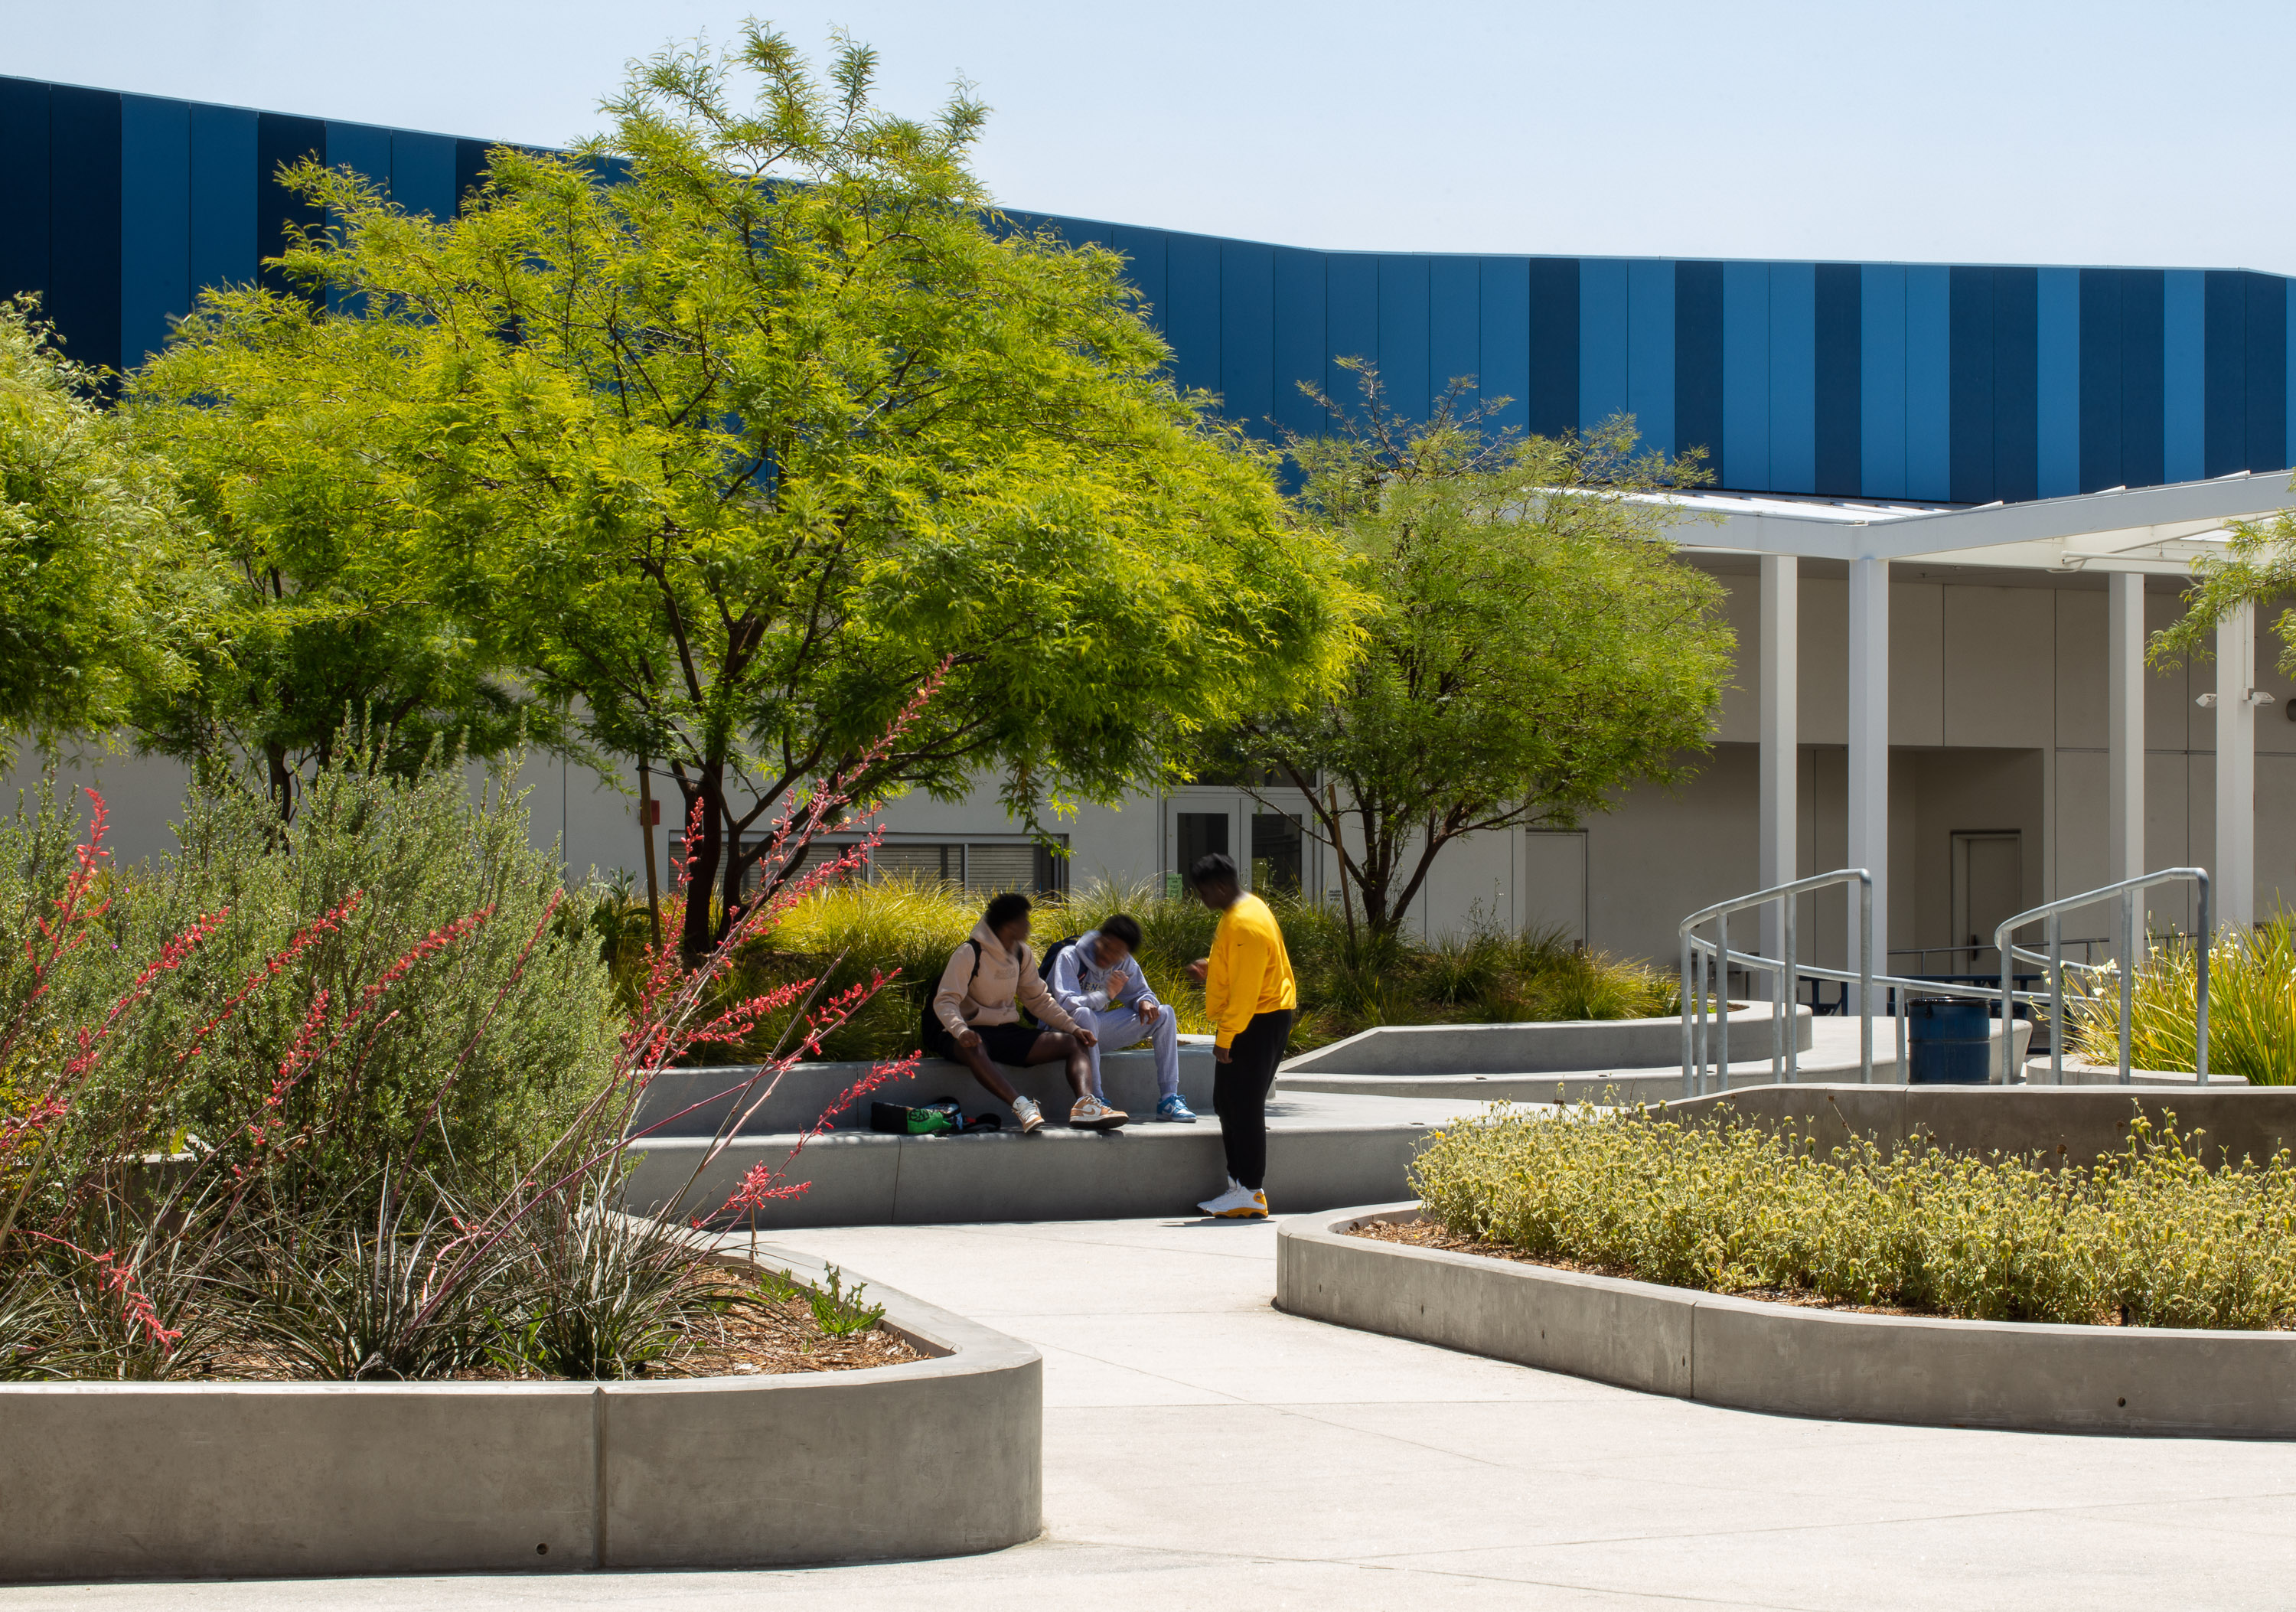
1756	1356
2076	1122
1557	1047
170	1480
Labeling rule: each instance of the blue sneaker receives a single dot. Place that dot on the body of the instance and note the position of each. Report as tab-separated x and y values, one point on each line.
1174	1110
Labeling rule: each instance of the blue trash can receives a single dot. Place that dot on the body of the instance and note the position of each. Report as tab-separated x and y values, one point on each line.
1949	1041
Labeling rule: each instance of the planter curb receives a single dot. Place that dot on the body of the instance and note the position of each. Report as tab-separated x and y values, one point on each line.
939	1457
1751	1355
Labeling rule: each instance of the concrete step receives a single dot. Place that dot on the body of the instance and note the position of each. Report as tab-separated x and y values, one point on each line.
696	1102
1323	1152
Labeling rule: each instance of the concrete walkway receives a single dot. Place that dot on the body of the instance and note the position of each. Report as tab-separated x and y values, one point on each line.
1202	1450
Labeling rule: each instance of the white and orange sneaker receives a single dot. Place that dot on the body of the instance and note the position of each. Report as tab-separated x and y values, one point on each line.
1031	1117
1238	1203
1090	1113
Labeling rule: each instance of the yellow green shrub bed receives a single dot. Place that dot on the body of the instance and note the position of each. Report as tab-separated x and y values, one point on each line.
2152	1236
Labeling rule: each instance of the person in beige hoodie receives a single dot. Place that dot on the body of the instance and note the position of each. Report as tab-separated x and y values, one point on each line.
974	1018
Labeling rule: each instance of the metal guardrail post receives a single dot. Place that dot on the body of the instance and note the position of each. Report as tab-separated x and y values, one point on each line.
2207	942
1865	978
2127	974
2057	997
2127	890
1722	1001
1790	1023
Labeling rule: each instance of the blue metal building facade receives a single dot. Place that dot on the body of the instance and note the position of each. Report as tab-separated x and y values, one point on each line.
1964	383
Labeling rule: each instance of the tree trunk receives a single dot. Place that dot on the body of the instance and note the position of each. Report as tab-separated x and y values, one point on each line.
647	815
704	856
282	781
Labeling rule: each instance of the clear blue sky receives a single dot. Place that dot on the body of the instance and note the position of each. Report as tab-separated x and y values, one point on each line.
2001	132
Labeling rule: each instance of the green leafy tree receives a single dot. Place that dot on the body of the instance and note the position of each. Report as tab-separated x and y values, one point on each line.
336	618
2259	568
735	425
1534	645
104	597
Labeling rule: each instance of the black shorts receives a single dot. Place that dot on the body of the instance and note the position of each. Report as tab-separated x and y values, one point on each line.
1004	1044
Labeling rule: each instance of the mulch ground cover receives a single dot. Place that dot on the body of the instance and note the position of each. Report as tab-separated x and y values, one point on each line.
756	1334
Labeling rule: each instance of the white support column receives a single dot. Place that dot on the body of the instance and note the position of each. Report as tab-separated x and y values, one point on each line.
1869	752
2124	672
2235	892
1781	630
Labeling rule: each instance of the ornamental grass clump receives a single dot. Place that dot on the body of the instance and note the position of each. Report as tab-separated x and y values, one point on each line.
2251	1006
2151	1236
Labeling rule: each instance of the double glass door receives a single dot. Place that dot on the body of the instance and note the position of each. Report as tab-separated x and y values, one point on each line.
1265	837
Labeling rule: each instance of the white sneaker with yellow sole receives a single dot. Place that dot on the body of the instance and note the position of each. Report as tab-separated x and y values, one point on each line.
1238	1203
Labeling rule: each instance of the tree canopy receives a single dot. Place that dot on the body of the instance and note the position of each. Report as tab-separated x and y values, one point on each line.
1534	645
727	429
2259	567
104	597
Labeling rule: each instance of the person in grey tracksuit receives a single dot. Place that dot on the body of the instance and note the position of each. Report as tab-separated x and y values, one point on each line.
1097	978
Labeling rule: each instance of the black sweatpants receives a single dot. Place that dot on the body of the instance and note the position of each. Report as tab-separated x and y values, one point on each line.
1239	1089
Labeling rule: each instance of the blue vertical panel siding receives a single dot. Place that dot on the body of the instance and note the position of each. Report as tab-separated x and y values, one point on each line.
155	223
1746	376
1351	316
1502	340
365	151
1402	332
1454	337
2100	379
1144	266
83	215
1650	350
361	147
1554	360
2016	384
1839	386
223	197
1971	356
23	187
2267	373
2223	344
1191	320
1793	377
470	168
2142	294
280	141
1601	340
2289	314
1698	363
1929	383
422	173
2057	382
2184	375
1882	381
1247	348
1299	351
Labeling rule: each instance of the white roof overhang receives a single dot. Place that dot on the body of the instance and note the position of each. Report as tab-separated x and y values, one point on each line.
2155	529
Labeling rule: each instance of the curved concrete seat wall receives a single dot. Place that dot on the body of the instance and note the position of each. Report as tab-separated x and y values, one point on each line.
1830	1053
208	1480
1788	1359
1557	1047
694	1102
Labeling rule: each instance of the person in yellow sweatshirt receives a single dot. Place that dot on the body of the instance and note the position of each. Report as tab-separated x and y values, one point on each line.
1251	996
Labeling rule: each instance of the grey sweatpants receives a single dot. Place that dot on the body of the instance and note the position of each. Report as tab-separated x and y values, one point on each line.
1119	1027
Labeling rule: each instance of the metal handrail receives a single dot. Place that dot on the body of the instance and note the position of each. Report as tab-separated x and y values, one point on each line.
1901	988
1694	1031
2126	889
